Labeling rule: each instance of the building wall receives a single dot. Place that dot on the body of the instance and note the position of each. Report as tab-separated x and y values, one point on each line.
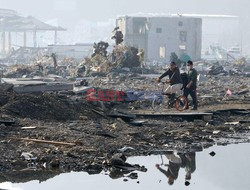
168	38
135	32
160	36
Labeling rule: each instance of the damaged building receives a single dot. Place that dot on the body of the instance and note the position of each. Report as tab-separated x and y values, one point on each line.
20	35
160	36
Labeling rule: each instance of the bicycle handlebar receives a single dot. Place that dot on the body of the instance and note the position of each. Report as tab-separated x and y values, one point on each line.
162	83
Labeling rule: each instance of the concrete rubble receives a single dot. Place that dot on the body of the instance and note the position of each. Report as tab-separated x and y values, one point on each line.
46	121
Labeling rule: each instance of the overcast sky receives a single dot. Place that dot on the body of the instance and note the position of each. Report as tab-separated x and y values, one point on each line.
72	14
69	11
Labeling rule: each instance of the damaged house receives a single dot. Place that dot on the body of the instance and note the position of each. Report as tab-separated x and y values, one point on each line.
19	36
160	36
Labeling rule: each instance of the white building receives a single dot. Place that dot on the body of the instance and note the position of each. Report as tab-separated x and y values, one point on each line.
159	36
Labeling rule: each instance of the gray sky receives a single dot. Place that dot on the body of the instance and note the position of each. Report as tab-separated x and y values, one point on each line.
69	11
74	13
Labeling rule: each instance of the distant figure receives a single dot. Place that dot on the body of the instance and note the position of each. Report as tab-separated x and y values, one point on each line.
192	85
141	56
118	36
54	57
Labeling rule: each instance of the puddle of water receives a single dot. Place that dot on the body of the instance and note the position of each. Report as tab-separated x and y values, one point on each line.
229	169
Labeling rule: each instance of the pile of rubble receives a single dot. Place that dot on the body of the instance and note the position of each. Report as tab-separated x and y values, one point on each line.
18	71
121	57
99	64
61	129
64	131
43	106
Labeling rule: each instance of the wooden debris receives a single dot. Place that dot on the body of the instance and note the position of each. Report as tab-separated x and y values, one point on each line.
28	127
46	142
106	134
99	114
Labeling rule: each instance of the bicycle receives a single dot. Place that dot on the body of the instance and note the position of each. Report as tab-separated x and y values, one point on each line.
159	101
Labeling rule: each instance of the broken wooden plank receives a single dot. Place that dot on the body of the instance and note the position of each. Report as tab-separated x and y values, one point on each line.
106	134
190	116
124	116
173	114
46	142
28	127
98	113
137	122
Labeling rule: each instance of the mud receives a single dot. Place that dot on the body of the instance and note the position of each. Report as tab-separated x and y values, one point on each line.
41	106
97	137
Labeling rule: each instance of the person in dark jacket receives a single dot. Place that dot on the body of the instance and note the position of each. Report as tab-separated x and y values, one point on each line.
174	81
192	85
190	164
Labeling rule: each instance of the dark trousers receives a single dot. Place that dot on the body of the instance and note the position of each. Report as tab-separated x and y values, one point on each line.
193	94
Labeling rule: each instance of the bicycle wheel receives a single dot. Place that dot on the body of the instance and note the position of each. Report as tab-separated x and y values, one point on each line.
181	103
158	103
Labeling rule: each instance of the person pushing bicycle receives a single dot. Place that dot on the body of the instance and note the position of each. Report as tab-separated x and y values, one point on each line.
175	81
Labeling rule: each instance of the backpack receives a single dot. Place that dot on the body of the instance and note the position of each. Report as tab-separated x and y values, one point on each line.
184	78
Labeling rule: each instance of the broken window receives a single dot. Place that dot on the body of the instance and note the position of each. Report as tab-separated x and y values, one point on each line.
139	26
162	52
183	36
158	30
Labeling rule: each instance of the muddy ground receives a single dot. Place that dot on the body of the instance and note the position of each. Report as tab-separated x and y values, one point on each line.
96	137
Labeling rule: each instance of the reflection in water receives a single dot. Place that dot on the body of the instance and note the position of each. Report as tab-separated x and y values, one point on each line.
181	160
178	169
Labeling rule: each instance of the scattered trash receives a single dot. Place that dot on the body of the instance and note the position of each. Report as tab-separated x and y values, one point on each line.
29	127
106	134
216	132
137	122
133	176
28	156
55	163
232	123
93	169
126	149
228	93
7	123
212	153
118	161
187	183
217	71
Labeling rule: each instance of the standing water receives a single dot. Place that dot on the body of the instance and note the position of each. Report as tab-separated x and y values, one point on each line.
227	169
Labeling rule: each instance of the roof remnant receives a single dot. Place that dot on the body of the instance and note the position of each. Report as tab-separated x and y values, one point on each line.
17	23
